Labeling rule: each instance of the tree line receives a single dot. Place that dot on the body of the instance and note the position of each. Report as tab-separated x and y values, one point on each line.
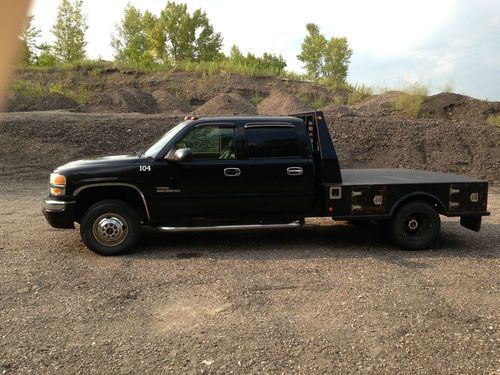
173	37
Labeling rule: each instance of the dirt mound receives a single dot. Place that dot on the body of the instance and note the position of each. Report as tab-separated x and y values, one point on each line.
168	103
282	103
443	103
121	100
29	141
380	105
336	111
226	105
34	143
433	144
459	107
52	101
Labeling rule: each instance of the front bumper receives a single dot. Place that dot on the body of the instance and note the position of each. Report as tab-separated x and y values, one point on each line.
59	214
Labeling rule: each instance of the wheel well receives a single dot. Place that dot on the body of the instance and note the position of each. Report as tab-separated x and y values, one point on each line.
90	196
422	197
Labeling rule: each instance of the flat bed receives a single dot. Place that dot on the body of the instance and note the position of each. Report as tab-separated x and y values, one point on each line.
400	176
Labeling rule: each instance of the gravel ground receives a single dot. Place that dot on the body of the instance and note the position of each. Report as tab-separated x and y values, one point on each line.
321	299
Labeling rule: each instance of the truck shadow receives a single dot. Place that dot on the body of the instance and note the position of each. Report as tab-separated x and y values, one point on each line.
317	241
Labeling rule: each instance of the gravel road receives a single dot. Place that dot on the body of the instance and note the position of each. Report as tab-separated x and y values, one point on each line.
321	299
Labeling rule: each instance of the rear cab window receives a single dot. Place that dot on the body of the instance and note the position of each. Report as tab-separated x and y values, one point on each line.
272	141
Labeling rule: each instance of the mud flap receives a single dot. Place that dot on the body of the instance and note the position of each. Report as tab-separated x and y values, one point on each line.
471	222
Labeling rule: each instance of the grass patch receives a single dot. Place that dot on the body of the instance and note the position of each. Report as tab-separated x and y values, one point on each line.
318	103
339	100
412	98
28	89
212	68
31	89
256	99
493	120
209	68
359	93
80	95
315	101
448	87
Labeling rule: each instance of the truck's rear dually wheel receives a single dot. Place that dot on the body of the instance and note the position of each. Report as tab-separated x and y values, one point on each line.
415	226
110	227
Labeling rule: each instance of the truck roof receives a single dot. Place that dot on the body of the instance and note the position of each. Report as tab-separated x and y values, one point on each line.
247	118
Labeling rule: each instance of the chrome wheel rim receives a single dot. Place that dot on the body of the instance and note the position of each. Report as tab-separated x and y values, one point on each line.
110	229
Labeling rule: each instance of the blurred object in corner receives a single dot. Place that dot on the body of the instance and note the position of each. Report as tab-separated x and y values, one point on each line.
13	15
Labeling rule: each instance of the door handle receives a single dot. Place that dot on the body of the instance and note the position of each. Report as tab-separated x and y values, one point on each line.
232	172
294	171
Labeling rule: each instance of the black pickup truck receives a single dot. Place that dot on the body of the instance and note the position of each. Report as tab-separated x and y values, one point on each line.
226	173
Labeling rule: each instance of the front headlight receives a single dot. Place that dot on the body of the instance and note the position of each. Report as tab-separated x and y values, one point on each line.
57	184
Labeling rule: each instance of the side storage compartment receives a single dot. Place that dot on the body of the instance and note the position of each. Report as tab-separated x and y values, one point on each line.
368	200
467	197
349	201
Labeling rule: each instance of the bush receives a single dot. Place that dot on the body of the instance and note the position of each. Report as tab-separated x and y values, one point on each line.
46	59
412	98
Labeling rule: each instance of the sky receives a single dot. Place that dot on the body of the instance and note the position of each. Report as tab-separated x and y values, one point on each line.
395	42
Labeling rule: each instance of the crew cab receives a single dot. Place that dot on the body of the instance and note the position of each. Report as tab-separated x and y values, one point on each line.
224	173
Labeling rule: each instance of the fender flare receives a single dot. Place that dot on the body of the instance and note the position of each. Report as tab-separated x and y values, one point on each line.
122	184
418	194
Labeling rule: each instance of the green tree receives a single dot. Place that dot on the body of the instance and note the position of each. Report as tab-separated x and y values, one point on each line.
208	43
155	35
46	57
69	32
132	42
267	63
337	56
187	37
325	58
29	38
235	55
274	63
312	51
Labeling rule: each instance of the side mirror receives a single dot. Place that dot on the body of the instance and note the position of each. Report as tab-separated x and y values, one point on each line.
180	155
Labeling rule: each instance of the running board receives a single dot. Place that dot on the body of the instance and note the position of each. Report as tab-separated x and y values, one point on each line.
216	228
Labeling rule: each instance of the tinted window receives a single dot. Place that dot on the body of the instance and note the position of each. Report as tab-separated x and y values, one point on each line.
272	142
210	142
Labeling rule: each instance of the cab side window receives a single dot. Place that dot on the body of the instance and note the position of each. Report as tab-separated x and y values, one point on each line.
272	142
210	142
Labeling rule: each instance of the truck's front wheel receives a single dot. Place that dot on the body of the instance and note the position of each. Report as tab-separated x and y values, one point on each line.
110	227
415	226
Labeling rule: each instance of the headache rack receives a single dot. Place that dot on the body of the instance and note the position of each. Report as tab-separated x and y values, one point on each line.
322	146
310	121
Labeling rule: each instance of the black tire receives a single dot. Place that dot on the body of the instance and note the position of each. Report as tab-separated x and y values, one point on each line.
415	226
110	227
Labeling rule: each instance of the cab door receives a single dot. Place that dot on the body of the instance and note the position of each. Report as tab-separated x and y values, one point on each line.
278	174
208	186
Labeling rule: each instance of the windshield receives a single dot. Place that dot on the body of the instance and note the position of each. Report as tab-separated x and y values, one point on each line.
162	142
